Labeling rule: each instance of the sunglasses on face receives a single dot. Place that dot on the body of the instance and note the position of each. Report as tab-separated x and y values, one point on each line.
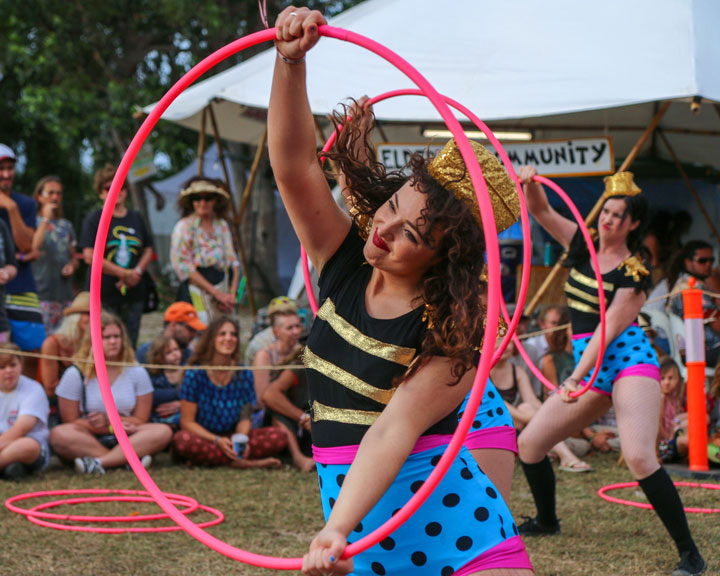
709	260
206	197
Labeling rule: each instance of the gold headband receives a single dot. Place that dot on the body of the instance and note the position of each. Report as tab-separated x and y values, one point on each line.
203	187
620	184
448	169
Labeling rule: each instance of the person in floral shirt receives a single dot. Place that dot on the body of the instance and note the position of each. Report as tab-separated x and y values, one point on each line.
202	252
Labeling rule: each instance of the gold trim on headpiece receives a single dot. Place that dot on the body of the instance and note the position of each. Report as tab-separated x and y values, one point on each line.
203	187
621	184
448	168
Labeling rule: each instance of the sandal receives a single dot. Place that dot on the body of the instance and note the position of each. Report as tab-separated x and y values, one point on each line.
578	466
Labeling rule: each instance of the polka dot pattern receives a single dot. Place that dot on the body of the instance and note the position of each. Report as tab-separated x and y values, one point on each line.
630	349
462	518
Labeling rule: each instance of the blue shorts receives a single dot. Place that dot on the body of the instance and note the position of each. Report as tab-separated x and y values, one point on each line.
464	520
630	354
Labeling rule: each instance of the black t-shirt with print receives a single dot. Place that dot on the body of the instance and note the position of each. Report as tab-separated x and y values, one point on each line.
126	241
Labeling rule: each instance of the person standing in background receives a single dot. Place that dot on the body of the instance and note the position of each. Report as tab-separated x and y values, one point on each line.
128	253
54	248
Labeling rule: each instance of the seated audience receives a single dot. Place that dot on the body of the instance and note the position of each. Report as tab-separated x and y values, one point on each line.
24	412
513	384
558	362
266	336
215	404
64	343
182	324
85	435
672	432
537	346
166	382
696	260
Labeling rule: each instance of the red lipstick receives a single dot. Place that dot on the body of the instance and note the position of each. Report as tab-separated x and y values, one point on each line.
379	242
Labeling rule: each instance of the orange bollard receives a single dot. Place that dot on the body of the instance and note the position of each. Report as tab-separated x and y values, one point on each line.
695	363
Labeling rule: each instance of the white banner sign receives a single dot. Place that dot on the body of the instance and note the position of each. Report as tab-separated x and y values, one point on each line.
572	157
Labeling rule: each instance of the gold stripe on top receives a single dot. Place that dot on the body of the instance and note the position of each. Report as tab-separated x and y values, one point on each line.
353	336
589	282
570	289
343	415
581	306
346	379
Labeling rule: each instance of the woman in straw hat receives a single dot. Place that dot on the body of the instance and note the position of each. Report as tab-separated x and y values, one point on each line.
202	252
629	379
390	356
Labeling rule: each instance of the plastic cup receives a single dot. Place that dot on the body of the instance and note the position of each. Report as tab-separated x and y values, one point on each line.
239	442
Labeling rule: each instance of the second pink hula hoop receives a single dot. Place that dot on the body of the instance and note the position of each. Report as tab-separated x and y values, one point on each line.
527	246
492	312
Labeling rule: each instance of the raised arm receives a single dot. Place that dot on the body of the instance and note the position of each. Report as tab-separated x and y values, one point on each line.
559	227
319	222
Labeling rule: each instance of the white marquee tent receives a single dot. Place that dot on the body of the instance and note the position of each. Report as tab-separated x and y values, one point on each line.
561	67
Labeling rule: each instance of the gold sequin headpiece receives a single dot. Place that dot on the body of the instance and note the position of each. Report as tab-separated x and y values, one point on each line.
621	184
448	168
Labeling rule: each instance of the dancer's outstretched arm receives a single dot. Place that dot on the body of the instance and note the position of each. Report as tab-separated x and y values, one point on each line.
561	228
319	222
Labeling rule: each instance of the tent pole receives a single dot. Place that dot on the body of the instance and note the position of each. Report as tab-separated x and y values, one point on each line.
689	185
201	142
590	218
253	173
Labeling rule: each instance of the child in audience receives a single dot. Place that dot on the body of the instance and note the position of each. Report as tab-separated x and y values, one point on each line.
166	382
24	413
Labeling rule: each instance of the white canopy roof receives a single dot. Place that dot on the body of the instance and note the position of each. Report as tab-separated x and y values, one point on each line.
602	66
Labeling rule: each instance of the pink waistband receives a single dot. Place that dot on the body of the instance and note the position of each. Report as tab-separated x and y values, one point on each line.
586	334
508	554
500	437
346	454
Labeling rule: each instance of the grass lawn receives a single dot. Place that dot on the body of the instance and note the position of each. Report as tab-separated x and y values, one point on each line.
277	513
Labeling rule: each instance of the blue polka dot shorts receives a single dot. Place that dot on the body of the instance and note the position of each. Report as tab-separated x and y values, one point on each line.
463	517
630	354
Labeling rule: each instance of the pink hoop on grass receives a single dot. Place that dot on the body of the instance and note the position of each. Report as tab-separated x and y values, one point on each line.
605	489
37	516
492	248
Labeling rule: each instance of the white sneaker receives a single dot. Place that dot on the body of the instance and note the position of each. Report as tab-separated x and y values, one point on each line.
146	461
88	465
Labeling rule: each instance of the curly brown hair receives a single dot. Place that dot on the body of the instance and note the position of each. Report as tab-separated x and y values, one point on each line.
103	176
452	288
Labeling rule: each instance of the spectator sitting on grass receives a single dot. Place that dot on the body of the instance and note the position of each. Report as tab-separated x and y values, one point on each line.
86	435
215	404
166	382
182	324
278	306
23	419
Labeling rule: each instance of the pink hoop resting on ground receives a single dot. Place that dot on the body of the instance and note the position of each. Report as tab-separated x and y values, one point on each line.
37	516
493	254
605	489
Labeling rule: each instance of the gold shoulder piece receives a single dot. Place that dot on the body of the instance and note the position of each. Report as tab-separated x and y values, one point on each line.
634	267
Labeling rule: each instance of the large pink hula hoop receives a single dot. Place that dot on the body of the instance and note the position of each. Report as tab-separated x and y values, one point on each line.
605	489
493	253
524	217
37	516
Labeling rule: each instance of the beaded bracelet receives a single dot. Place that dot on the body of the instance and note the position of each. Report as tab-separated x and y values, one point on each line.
290	60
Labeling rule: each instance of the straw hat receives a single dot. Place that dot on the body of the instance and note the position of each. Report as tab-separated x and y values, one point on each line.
81	304
203	187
